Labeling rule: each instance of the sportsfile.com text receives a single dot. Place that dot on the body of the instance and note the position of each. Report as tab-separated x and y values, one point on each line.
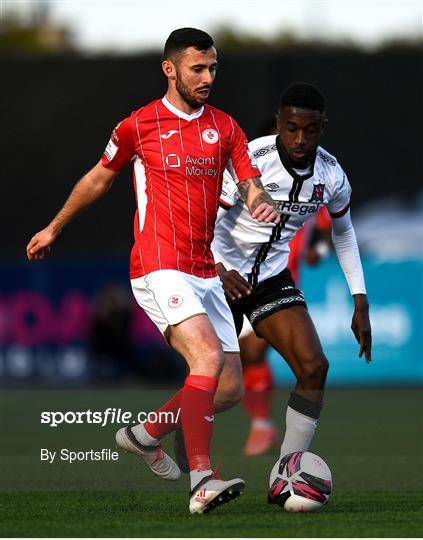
110	415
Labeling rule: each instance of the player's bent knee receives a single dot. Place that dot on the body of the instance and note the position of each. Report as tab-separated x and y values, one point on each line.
209	362
314	371
228	397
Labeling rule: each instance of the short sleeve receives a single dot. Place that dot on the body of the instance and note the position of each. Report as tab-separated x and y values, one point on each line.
243	165
120	149
339	202
229	194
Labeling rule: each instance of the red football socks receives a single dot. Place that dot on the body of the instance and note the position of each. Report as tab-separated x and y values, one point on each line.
197	412
166	422
258	384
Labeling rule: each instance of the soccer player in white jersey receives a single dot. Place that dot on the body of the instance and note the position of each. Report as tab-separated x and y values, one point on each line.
309	245
252	257
179	147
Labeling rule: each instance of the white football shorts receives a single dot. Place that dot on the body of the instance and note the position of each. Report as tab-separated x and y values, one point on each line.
247	329
170	297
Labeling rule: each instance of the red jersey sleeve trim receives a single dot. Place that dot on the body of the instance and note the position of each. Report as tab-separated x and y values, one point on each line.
340	213
256	174
108	165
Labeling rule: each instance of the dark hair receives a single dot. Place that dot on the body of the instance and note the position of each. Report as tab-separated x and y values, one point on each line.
303	95
182	38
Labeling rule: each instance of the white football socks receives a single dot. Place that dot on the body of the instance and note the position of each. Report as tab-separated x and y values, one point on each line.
299	432
197	476
143	437
261	423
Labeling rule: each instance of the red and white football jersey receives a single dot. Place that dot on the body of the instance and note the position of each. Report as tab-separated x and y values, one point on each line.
178	162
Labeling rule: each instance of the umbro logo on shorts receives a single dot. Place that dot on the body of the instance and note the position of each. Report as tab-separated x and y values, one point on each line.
175	301
169	134
209	418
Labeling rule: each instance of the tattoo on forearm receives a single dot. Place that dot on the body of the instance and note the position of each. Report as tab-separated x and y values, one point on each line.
257	182
243	188
261	198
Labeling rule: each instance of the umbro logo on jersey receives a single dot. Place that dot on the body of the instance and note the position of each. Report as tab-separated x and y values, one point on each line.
271	187
264	150
209	418
327	159
169	134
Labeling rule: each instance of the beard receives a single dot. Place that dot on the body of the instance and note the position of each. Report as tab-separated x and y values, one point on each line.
188	95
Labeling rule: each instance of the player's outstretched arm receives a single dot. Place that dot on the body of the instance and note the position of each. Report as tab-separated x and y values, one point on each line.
91	187
260	204
345	243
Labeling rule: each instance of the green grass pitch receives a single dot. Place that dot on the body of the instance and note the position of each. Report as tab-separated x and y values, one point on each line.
371	439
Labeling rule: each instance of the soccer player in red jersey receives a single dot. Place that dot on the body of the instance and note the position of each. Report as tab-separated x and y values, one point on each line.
179	147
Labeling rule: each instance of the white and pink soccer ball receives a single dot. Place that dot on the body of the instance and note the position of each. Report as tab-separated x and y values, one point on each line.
300	482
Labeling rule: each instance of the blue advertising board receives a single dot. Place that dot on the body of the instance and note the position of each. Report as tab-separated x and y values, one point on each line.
48	312
395	291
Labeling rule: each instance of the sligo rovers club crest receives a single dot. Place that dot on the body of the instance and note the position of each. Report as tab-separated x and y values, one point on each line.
175	301
210	136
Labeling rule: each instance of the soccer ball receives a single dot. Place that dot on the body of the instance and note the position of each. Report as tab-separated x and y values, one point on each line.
300	482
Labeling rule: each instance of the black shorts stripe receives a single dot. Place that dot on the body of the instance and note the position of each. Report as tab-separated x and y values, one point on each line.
265	310
269	296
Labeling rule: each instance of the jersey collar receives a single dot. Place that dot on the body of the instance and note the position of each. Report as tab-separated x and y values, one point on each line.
182	114
289	169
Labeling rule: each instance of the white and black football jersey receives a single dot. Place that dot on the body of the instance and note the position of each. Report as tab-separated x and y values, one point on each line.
260	250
